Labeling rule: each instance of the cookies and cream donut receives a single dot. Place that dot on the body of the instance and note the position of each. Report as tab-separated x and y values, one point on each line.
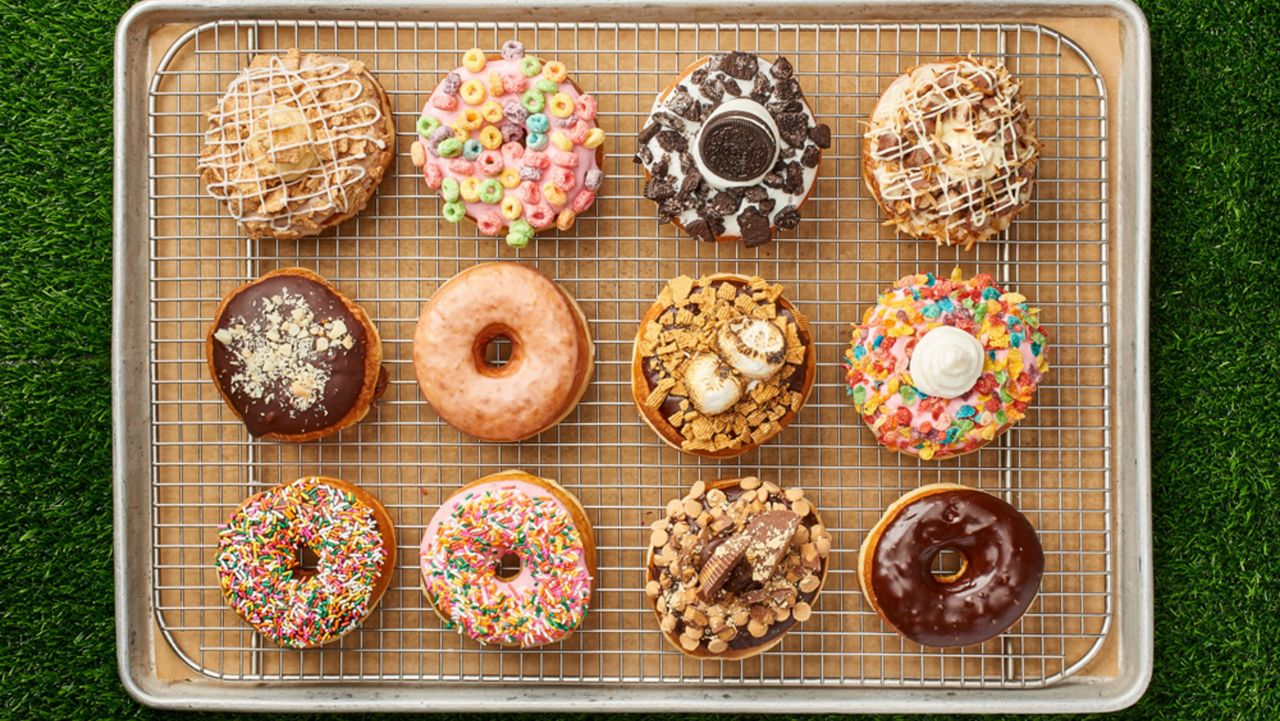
733	565
940	367
293	358
263	578
731	149
298	144
721	364
511	142
1001	563
536	525
550	362
951	153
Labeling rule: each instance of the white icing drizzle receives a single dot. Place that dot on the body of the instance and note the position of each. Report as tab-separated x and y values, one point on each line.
241	175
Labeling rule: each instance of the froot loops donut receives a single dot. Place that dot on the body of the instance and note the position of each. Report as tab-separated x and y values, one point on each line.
541	530
523	121
939	368
263	579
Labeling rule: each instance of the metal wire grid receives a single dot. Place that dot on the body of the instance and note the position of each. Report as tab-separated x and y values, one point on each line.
1055	466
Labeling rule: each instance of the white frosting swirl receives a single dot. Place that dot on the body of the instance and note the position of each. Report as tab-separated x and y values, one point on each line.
946	362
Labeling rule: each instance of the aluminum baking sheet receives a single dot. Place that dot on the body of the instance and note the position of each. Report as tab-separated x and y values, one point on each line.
1077	466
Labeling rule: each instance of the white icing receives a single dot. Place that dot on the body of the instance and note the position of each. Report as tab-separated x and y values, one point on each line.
946	362
755	110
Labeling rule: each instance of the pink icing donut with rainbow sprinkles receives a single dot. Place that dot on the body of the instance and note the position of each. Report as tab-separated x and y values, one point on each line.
940	367
509	560
511	142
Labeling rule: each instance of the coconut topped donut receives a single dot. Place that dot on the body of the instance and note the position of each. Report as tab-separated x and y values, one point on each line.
511	142
951	153
941	367
731	149
298	144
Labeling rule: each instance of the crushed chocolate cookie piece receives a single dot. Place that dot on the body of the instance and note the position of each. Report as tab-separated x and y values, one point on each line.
773	180
648	132
701	230
740	65
781	68
687	164
670	140
659	188
755	193
643	156
712	89
731	88
811	157
667	120
682	103
794	128
767	205
778	107
699	75
821	135
787	218
788	89
690	184
793	179
755	227
726	202
761	89
662	167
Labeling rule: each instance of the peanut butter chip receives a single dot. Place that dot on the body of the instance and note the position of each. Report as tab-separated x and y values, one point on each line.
749	483
689	643
652	589
802	611
801	508
717	646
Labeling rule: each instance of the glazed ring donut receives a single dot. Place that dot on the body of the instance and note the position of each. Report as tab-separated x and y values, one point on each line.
511	142
939	368
951	151
539	527
298	144
293	358
550	362
731	149
999	575
261	574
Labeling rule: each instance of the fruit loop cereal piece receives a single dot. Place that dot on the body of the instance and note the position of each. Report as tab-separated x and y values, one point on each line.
512	143
978	349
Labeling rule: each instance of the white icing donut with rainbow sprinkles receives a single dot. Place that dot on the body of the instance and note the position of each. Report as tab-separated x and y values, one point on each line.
511	142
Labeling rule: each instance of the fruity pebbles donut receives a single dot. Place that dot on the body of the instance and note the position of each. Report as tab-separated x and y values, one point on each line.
262	575
509	560
512	143
939	368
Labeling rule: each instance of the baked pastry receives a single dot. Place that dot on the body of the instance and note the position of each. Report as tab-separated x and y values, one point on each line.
734	565
511	142
731	149
542	593
262	575
999	575
293	358
951	152
939	368
298	144
721	364
551	357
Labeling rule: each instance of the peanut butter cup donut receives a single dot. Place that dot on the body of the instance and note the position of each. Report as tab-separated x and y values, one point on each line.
550	362
1000	569
734	565
293	358
951	153
731	149
298	144
721	364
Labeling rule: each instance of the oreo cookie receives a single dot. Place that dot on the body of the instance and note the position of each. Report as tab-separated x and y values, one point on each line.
740	65
754	227
736	146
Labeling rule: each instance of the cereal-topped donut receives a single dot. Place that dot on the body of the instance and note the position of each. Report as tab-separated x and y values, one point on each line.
511	142
298	144
541	596
262	574
940	367
731	149
951	153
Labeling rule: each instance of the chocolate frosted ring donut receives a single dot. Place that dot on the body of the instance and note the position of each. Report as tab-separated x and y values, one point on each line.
999	574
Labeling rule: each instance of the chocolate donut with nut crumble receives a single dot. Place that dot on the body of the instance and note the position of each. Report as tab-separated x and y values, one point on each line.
734	565
293	358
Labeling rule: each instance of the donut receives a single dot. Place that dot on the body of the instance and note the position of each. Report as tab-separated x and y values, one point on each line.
536	526
511	142
731	149
551	357
939	368
734	565
951	153
298	144
262	575
293	358
721	364
1000	569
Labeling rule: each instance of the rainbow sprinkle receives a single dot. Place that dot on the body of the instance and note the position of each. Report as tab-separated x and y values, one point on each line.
903	417
258	559
459	568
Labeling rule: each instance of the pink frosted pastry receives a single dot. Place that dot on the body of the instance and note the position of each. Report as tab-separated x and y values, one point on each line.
509	559
512	143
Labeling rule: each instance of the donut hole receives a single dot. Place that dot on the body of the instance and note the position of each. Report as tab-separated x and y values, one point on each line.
508	566
948	565
308	561
497	352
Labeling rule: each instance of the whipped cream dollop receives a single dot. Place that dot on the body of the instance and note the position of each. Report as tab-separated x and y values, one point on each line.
946	362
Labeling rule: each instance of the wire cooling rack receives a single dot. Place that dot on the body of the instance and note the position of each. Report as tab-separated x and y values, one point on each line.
1056	465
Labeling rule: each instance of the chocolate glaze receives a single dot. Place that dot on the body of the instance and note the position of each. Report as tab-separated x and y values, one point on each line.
736	146
271	413
1003	566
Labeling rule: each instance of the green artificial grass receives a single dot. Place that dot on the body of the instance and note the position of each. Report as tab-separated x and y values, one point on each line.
1215	361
